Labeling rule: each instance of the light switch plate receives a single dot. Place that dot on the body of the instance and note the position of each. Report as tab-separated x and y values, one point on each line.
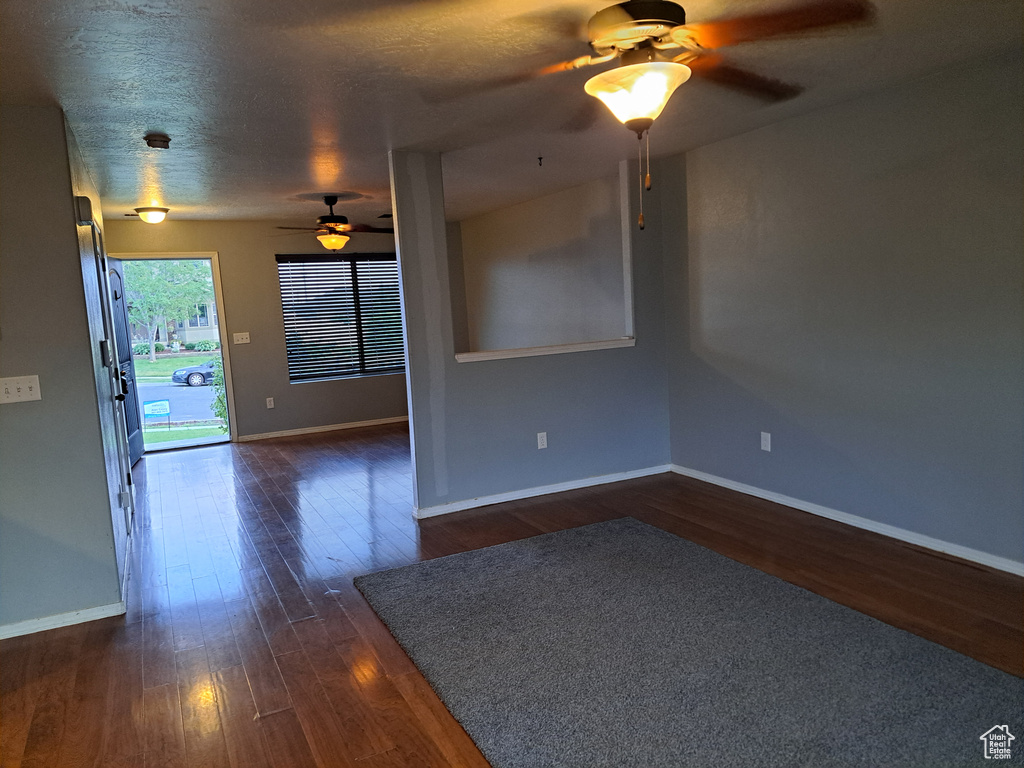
241	338
19	389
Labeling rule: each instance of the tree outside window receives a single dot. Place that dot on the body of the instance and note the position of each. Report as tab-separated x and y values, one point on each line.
160	291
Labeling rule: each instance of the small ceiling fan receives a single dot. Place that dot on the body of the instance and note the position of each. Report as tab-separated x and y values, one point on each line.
333	228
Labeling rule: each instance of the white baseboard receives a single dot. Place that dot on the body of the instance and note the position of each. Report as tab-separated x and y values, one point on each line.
571	485
966	553
325	428
901	534
61	620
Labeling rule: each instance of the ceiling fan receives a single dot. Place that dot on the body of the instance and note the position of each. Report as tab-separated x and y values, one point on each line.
655	31
333	228
656	51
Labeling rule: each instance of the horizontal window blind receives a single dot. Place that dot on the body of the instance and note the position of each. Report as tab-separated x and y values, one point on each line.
342	315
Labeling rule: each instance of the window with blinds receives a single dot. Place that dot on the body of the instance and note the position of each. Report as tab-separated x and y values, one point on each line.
342	315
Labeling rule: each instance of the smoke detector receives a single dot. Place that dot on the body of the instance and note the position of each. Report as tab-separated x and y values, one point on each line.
158	140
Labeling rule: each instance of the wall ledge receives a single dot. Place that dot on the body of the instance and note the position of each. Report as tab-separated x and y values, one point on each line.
325	428
554	349
901	534
30	626
482	501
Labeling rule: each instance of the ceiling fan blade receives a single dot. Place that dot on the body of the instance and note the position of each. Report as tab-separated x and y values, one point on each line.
744	29
578	63
712	69
300	229
368	228
558	24
451	93
546	35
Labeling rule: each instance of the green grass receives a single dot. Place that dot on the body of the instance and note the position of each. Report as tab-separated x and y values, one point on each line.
165	366
157	435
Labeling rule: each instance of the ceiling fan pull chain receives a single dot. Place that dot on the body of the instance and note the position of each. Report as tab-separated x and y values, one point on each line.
647	181
640	170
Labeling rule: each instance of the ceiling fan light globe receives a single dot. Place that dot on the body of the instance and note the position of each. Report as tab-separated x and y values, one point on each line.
152	215
333	241
637	93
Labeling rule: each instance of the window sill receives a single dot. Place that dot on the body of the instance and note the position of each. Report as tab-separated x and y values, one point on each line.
348	376
556	349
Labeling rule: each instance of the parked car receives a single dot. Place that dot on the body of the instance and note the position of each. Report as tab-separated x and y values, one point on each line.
194	375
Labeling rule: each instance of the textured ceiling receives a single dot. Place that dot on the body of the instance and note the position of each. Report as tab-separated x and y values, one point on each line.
267	102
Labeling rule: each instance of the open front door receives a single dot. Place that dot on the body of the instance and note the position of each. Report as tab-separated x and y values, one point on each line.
125	366
99	315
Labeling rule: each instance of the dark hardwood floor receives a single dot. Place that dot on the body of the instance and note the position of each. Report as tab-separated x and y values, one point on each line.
245	643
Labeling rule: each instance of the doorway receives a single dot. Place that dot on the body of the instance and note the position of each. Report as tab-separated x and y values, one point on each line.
173	362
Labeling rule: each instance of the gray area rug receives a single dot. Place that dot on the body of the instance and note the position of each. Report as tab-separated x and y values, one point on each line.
618	644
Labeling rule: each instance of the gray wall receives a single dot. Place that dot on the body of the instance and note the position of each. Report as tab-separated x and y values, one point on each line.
252	302
474	424
56	539
548	271
852	283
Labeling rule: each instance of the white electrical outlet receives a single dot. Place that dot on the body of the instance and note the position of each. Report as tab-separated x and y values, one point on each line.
766	441
242	338
542	440
19	389
270	402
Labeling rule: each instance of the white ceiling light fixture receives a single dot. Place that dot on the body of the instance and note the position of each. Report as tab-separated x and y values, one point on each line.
152	214
637	93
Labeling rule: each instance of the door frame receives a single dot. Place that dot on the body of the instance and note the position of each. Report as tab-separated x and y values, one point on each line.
222	325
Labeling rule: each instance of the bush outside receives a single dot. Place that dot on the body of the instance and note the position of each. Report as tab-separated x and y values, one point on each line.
220	401
143	348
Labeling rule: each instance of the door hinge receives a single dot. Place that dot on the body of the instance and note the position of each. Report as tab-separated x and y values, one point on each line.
125	499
